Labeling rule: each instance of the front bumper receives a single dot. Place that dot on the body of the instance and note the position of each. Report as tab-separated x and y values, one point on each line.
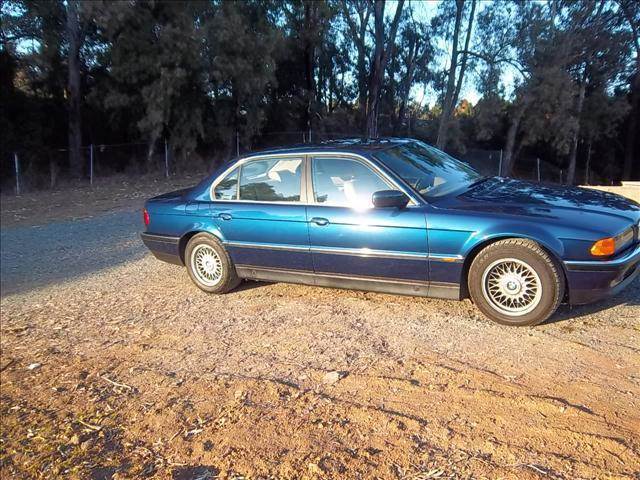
591	280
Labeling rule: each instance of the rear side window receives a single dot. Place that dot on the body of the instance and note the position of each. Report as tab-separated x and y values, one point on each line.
342	182
272	180
227	189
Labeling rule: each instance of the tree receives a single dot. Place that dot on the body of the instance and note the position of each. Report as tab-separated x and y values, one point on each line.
156	69
454	80
357	34
630	11
557	80
383	46
241	42
408	66
74	41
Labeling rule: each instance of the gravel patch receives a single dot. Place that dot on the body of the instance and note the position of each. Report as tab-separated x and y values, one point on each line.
141	375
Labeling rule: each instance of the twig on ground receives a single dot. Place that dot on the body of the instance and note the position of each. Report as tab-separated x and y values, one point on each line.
8	364
95	428
123	385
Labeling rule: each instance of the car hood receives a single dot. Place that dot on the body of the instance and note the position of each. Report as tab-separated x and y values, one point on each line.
570	205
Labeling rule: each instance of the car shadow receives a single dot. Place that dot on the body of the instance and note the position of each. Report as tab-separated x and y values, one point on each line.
247	285
629	296
35	257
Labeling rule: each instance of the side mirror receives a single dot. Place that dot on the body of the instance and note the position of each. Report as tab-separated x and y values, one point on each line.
390	198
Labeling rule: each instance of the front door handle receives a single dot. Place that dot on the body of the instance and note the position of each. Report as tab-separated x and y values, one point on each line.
225	216
320	221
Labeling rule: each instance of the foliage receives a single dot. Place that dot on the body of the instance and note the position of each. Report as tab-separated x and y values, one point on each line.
558	80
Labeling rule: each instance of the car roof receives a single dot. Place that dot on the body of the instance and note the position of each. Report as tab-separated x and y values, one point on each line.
349	145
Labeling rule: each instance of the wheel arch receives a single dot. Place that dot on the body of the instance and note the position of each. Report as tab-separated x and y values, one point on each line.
184	239
479	246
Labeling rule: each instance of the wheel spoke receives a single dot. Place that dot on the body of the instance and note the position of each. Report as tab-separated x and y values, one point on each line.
512	286
206	265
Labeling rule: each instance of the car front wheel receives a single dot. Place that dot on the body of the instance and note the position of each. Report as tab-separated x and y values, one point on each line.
209	264
516	282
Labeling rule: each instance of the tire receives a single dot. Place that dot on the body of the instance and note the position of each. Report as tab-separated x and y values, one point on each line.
209	264
516	282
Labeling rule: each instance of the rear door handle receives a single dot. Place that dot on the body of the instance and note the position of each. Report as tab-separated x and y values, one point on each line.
320	221
225	216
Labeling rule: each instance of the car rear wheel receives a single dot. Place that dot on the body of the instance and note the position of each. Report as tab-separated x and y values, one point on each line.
209	264
516	282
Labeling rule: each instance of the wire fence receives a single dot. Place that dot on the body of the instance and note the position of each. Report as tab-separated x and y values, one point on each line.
48	168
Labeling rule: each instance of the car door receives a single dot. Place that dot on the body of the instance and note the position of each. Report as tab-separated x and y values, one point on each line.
348	237
259	206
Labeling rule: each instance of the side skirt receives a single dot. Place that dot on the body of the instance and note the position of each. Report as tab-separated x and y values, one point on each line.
370	284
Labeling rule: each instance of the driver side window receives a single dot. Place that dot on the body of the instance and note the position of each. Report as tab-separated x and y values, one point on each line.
342	182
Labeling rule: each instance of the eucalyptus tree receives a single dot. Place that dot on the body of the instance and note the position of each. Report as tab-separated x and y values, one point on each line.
357	15
384	46
629	10
457	64
414	53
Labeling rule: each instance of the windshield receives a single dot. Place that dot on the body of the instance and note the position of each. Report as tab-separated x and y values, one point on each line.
431	172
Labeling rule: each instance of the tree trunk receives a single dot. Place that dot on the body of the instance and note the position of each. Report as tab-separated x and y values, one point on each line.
443	127
75	120
379	64
632	128
571	172
359	33
509	147
463	63
412	58
310	9
151	150
588	166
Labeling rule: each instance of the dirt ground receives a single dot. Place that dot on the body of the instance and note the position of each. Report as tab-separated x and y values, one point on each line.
129	371
71	202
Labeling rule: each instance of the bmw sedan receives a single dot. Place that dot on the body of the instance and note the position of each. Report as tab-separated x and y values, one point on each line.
402	217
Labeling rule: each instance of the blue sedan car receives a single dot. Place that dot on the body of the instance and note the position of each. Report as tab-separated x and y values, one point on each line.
398	216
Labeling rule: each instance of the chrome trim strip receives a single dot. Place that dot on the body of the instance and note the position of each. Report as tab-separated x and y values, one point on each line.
367	252
613	264
412	197
439	257
268	246
357	252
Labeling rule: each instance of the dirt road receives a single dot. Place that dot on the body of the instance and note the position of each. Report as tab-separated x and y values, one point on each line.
115	366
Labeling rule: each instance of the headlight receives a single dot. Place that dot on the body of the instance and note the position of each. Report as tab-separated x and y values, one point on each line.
609	246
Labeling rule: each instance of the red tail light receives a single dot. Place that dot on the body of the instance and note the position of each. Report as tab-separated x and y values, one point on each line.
145	216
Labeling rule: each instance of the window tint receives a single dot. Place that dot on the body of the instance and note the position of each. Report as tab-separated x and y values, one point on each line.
227	189
345	183
273	180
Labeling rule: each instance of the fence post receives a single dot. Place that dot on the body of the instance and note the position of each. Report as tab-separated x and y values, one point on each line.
304	137
91	164
538	164
16	164
309	135
166	159
500	164
237	143
560	176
